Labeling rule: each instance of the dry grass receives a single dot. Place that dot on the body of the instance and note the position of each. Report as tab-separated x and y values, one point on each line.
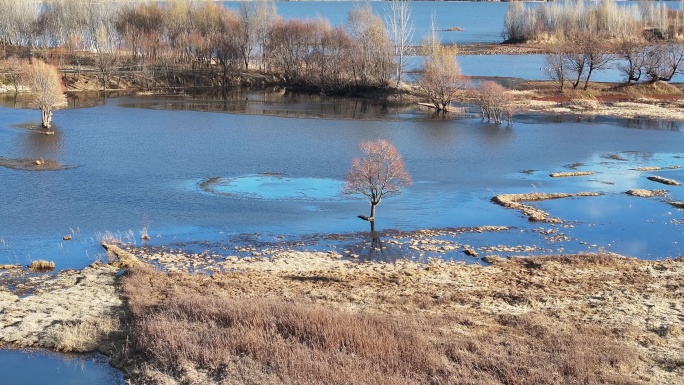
570	173
648	89
86	335
643	193
41	265
236	328
534	214
662	180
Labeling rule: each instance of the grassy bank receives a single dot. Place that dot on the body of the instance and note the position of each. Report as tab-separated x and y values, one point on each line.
583	319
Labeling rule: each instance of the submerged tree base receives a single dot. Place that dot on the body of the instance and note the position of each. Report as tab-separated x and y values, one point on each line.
33	164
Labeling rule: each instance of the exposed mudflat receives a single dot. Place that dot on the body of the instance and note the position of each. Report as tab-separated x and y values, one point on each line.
32	164
73	311
534	214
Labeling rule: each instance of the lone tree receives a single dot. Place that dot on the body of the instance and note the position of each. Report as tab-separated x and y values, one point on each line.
379	174
441	78
47	89
495	102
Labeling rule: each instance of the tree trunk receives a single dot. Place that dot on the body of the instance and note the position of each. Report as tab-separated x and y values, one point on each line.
46	117
586	82
371	218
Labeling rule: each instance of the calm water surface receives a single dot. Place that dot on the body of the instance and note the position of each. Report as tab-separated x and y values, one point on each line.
482	22
142	162
37	367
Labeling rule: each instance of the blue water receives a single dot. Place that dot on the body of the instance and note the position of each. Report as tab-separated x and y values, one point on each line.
141	166
482	22
38	367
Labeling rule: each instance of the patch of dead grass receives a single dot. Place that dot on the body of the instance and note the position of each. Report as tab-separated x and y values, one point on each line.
86	335
237	328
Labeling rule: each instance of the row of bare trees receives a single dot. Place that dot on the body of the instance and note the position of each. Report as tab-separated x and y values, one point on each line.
577	57
207	36
548	21
644	38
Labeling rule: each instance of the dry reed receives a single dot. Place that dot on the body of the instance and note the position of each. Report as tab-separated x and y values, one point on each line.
195	327
41	265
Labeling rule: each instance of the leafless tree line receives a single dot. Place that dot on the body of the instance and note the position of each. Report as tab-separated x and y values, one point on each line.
207	36
549	21
643	39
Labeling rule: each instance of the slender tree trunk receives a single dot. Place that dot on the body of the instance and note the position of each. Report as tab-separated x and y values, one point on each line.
46	117
586	82
371	218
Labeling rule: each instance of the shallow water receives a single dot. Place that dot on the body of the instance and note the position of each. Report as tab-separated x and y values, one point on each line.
38	367
142	163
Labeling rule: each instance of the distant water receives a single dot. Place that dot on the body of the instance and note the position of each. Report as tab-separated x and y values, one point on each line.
482	22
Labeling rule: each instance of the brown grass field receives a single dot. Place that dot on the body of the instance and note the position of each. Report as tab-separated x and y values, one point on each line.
587	319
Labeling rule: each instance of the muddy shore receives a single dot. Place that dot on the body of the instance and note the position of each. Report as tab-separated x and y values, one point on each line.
635	304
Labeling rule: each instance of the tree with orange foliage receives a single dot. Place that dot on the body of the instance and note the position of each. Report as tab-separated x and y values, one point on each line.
379	174
47	89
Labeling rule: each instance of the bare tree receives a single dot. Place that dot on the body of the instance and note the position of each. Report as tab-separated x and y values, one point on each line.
47	90
495	102
583	54
380	173
13	68
441	78
663	61
228	43
634	53
266	16
400	29
371	53
556	68
103	38
515	28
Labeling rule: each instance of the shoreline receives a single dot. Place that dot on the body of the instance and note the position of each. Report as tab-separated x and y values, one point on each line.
632	301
